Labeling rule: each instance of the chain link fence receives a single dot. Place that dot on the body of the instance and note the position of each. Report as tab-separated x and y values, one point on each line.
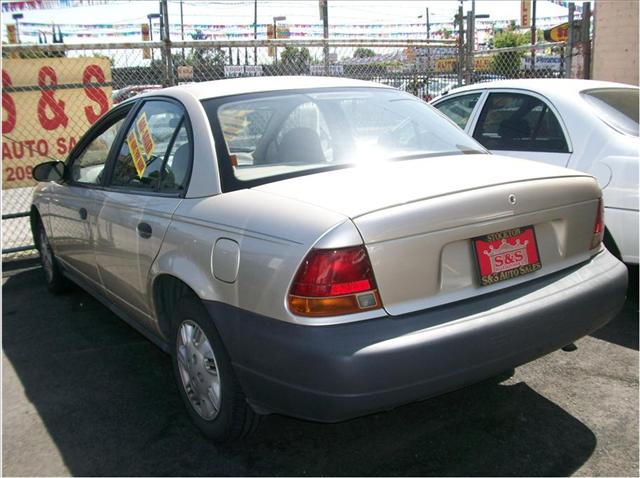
53	93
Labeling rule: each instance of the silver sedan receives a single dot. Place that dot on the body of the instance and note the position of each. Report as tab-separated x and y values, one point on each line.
321	248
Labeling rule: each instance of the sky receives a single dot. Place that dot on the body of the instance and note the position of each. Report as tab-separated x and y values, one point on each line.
126	16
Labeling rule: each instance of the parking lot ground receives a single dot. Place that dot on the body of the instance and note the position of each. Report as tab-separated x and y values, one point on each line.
84	394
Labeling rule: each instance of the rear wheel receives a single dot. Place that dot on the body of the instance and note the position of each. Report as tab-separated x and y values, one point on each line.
56	282
205	377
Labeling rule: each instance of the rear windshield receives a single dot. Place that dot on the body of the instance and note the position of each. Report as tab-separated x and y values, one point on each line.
617	107
270	136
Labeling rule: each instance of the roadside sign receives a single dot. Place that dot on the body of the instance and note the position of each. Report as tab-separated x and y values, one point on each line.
144	30
236	71
543	62
445	65
525	13
11	33
482	63
185	72
410	53
12	37
334	70
47	104
557	33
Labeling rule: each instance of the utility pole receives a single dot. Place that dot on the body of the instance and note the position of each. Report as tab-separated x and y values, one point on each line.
275	35
255	31
533	39
469	49
151	16
428	26
428	54
164	22
460	44
569	46
184	59
472	39
585	30
16	18
325	25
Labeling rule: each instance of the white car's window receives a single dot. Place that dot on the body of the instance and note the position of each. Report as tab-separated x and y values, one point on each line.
155	152
459	109
88	166
269	135
617	107
519	122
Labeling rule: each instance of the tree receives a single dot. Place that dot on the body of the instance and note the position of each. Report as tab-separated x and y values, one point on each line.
444	33
364	53
295	60
508	63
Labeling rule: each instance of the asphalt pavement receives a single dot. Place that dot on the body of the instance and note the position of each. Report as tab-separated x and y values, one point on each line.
84	394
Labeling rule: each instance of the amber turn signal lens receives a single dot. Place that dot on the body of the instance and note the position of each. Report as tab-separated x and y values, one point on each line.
333	282
330	306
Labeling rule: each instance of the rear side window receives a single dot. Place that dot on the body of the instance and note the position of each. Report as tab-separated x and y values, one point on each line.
156	152
459	109
519	122
617	107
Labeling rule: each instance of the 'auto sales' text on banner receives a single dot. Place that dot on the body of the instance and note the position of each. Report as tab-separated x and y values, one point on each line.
47	104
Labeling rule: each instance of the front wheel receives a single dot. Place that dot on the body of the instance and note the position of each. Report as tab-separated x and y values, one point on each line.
205	377
56	282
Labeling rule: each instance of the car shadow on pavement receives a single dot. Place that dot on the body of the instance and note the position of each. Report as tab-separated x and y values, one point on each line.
623	329
107	398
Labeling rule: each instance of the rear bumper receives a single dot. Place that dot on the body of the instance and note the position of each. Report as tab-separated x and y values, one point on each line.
333	373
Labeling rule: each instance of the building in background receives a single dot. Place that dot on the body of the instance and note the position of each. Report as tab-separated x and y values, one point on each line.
615	41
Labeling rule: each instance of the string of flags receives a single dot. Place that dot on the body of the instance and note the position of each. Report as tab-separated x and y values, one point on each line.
296	30
208	26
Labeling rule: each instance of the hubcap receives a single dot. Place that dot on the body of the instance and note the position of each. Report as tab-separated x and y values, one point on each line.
198	370
45	255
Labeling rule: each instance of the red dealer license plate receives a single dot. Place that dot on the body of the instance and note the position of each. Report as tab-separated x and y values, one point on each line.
506	255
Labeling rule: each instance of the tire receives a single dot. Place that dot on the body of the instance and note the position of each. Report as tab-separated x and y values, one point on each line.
192	329
610	244
56	282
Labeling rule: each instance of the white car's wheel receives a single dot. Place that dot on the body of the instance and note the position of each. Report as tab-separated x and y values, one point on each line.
205	377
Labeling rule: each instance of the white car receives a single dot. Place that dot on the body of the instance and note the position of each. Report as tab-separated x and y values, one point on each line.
591	126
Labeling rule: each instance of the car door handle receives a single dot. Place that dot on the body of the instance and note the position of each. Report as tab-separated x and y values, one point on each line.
144	230
83	213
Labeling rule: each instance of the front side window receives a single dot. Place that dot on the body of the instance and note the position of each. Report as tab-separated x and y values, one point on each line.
269	135
88	166
156	152
519	122
459	109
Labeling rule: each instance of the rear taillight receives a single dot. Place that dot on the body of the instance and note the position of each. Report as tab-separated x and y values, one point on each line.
334	282
598	229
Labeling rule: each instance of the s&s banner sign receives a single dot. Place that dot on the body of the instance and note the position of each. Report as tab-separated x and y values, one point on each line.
47	104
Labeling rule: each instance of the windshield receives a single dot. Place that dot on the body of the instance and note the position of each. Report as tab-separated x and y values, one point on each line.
270	135
617	107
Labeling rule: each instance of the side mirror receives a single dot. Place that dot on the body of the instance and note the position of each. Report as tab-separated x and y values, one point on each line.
49	171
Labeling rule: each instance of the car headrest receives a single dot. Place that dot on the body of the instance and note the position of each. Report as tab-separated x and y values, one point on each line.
300	145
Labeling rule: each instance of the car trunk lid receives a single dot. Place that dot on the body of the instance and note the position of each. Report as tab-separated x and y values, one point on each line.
418	220
361	190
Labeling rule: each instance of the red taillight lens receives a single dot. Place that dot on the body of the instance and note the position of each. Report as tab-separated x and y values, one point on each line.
334	282
598	229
